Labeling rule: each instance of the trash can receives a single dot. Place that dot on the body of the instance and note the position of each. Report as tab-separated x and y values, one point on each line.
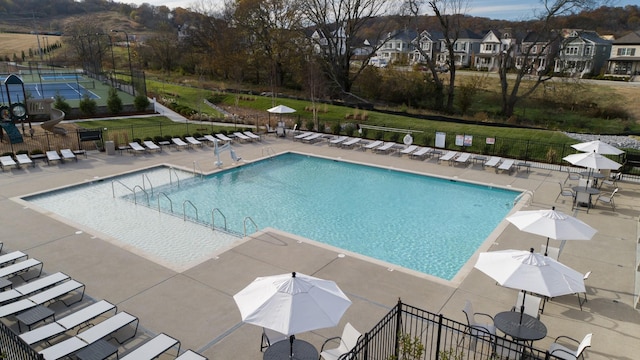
110	147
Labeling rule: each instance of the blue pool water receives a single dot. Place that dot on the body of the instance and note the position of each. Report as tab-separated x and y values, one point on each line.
423	223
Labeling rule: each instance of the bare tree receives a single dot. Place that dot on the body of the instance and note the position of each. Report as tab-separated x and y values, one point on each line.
339	27
536	53
450	15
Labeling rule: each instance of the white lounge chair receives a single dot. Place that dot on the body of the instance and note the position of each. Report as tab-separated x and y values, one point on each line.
137	148
68	322
337	140
7	161
251	135
21	267
351	142
421	153
24	159
193	141
43	297
564	352
241	136
373	145
493	161
151	145
409	149
449	156
302	135
52	155
463	158
91	335
179	142
67	154
153	348
348	341
385	148
12	257
506	165
191	355
32	287
312	138
224	137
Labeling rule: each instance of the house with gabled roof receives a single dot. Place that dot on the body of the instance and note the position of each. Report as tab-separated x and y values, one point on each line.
493	48
464	49
429	42
537	52
625	55
582	52
397	47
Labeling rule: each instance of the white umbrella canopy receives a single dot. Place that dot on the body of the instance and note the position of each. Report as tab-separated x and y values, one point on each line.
292	303
281	109
529	271
597	146
552	224
592	160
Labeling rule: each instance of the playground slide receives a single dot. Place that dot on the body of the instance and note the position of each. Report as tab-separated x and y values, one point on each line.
57	115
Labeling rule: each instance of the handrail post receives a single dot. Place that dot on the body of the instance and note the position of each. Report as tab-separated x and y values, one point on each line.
398	326
439	336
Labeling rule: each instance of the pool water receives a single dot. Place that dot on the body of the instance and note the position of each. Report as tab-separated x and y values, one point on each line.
423	223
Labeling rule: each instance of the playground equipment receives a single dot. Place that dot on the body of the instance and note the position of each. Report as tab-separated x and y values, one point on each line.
217	150
43	107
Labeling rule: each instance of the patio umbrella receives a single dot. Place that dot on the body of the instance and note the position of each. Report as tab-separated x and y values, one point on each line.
592	161
281	109
528	271
597	146
552	224
292	303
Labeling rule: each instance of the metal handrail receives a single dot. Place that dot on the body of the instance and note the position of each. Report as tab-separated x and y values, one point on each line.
168	198
113	191
184	213
521	196
244	224
195	173
173	171
135	198
150	184
213	221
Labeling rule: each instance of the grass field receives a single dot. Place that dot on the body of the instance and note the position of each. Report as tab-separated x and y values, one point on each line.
14	44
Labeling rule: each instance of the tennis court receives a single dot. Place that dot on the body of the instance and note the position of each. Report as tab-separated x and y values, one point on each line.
44	90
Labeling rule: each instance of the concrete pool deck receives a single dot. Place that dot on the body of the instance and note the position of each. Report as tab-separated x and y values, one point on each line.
196	305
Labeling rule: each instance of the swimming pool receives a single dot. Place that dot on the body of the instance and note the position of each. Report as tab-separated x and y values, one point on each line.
427	224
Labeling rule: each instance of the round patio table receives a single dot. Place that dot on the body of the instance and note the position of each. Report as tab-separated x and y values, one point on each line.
528	329
281	350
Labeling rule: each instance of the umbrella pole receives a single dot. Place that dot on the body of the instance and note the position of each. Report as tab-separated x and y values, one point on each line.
291	338
546	249
524	295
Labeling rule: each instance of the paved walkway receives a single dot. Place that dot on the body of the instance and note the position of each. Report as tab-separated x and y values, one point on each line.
196	305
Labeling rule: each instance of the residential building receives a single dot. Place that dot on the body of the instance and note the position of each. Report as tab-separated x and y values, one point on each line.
582	52
397	47
537	52
429	44
625	55
494	45
464	49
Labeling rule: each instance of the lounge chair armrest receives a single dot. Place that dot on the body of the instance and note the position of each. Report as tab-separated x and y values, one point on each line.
561	351
329	340
577	342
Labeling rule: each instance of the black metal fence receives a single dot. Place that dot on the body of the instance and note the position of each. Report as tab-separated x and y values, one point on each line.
407	332
12	347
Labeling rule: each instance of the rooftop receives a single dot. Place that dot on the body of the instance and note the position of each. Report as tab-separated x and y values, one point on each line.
196	305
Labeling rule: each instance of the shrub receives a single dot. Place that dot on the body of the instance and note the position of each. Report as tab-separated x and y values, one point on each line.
141	103
394	137
309	124
336	128
37	152
61	104
114	103
349	129
87	105
22	152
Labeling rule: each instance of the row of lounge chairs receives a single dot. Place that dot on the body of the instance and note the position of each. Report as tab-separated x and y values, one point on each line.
8	161
190	141
415	151
78	332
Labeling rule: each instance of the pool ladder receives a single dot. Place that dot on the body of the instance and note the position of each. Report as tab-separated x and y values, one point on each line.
133	191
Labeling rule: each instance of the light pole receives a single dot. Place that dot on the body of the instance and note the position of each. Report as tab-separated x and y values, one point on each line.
113	60
128	52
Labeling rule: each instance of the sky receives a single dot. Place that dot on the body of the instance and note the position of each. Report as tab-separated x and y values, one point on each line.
493	9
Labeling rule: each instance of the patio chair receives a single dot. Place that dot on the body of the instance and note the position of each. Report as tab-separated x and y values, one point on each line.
493	161
252	135
421	153
612	180
477	329
463	158
607	198
506	165
582	199
564	352
151	145
565	192
531	305
337	140
137	148
241	136
193	141
24	159
348	341
67	154
351	142
449	156
572	176
409	149
580	300
179	143
6	161
373	145
224	137
270	337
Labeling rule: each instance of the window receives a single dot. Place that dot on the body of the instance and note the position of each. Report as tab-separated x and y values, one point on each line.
587	50
626	51
572	50
488	47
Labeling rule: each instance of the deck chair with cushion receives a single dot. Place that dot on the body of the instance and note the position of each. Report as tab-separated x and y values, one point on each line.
463	158
302	135
24	159
564	352
211	138
193	141
52	155
251	135
7	161
582	199
179	143
270	337
385	148
224	137
19	268
409	149
12	257
531	305
506	165
607	198
69	322
373	145
351	142
153	348
449	156
67	154
348	341
493	161
57	292
422	153
312	138
151	145
137	148
476	328
337	140
32	287
241	136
